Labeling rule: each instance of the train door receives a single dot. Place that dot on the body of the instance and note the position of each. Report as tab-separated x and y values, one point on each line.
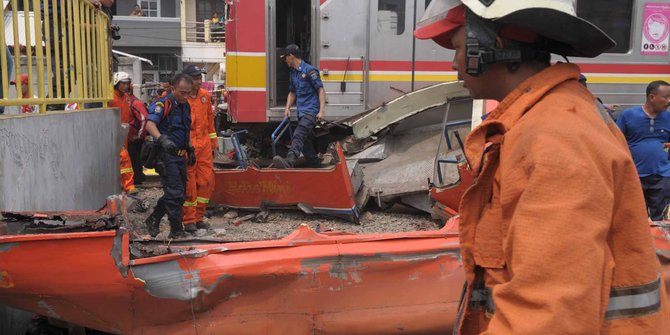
391	45
343	52
291	22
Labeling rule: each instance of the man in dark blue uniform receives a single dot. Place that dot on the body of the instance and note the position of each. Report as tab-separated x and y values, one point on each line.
170	123
647	130
306	90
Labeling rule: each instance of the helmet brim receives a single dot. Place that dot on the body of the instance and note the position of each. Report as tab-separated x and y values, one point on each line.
431	31
568	35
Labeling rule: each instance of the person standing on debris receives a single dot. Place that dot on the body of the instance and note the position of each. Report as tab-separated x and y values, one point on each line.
553	235
200	181
647	130
306	90
170	124
122	101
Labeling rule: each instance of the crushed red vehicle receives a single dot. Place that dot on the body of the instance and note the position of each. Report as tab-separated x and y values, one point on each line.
91	269
253	188
304	283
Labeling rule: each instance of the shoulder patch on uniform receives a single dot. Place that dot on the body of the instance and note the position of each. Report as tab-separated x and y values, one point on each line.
158	108
314	74
159	103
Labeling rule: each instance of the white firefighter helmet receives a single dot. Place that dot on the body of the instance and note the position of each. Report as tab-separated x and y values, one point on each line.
121	76
555	20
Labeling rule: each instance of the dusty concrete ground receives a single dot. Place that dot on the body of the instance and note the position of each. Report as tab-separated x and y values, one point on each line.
225	224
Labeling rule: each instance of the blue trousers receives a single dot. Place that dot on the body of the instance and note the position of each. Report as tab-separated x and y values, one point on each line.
172	169
303	137
656	194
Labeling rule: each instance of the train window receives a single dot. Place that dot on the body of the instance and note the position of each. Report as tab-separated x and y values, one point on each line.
612	16
391	16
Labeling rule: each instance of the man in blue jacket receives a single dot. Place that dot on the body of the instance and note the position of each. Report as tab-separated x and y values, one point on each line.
306	90
647	130
170	124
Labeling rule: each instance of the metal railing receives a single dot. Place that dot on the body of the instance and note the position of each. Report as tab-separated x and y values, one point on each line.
67	52
205	32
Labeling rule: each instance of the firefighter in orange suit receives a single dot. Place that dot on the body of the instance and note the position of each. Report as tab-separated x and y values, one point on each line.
200	180
554	233
122	101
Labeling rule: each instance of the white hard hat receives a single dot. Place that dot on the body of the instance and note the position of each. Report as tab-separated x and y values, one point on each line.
555	20
121	76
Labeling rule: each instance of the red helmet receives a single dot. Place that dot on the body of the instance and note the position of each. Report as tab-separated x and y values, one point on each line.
441	18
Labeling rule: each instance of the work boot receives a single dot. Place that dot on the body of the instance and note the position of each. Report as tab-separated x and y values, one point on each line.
190	228
280	163
177	230
313	163
202	225
153	225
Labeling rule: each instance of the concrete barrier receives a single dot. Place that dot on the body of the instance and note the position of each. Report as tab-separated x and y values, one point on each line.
59	161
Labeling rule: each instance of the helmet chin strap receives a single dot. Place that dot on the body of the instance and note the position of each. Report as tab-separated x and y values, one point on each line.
481	50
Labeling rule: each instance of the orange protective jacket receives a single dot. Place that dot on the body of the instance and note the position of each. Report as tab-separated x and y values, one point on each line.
122	101
200	177
202	124
554	234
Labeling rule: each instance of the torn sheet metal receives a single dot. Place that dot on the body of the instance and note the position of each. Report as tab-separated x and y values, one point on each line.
374	153
406	106
413	147
305	283
326	191
356	174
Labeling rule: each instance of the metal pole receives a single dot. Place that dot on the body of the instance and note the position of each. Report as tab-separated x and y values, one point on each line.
413	46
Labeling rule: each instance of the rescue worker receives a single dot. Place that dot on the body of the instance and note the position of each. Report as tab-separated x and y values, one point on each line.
306	90
554	236
647	130
200	181
170	124
122	101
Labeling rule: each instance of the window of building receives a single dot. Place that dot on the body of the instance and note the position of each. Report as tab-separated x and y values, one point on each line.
165	65
207	9
391	16
151	8
614	17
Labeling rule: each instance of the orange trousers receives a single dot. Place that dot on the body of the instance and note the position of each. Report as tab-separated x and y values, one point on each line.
199	185
127	174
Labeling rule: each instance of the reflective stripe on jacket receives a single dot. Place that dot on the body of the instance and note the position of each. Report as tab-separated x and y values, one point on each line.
554	234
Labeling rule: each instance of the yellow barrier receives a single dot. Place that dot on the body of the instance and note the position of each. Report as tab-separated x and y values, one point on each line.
72	53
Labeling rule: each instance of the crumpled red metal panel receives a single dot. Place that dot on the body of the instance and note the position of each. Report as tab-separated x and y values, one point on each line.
322	191
305	283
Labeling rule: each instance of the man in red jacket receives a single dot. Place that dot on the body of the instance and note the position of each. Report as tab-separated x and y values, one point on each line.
121	85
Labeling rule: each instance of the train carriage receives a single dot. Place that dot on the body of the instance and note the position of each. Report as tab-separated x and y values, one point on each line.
368	55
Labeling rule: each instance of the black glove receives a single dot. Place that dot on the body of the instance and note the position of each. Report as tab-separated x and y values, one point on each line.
167	144
191	156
